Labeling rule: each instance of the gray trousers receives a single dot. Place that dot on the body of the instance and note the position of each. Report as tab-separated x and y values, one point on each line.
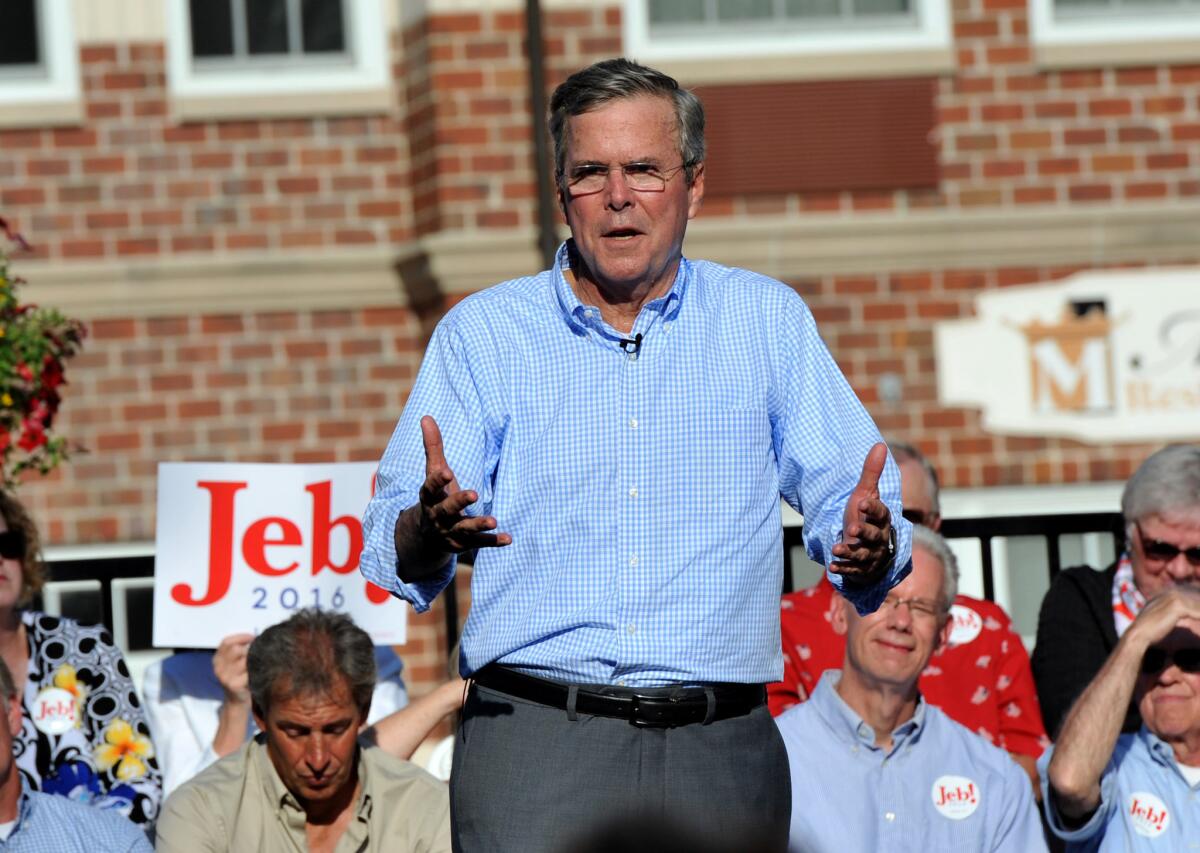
528	779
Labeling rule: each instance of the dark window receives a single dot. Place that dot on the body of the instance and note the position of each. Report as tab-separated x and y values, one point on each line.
19	34
254	29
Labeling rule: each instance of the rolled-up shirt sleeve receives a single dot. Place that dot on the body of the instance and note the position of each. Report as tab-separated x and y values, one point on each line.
823	436
447	390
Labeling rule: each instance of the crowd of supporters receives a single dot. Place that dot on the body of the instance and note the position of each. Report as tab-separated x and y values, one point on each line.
920	723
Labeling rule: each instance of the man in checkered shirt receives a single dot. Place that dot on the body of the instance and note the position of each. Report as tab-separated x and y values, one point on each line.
613	437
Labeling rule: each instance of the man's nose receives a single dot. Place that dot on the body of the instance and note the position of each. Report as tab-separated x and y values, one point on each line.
619	194
1180	569
317	755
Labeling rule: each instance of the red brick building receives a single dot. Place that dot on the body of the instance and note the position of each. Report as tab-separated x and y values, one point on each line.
261	218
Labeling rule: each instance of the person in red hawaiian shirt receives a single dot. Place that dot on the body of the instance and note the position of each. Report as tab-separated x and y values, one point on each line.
980	679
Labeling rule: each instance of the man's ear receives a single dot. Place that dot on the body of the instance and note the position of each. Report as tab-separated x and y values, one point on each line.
260	719
943	635
839	618
16	718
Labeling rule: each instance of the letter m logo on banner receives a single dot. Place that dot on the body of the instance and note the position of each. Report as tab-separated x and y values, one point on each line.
1071	360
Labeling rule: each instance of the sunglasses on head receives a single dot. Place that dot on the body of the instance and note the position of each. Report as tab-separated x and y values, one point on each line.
12	544
1157	659
1165	552
917	516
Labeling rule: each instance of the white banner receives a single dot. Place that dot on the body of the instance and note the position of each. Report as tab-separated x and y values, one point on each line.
1102	356
240	547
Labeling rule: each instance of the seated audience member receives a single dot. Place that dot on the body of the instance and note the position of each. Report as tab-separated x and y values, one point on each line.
305	782
1085	611
198	704
875	767
1109	791
980	678
84	734
33	822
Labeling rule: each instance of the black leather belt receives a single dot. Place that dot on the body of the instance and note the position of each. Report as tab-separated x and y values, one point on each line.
657	707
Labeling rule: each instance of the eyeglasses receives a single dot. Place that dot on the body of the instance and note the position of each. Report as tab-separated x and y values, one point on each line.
1165	552
643	177
916	606
1157	659
12	544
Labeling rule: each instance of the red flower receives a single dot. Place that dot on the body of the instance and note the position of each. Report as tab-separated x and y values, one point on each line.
33	434
52	372
26	373
5	439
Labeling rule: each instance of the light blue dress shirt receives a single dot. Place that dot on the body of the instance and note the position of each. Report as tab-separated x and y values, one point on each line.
1145	802
938	787
641	489
50	824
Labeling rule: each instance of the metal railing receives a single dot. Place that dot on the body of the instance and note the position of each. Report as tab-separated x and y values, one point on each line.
1051	528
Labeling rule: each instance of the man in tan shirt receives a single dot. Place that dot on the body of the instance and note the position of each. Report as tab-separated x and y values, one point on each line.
305	782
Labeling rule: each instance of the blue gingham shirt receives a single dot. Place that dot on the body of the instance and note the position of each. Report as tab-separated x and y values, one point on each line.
939	786
1145	802
641	491
50	824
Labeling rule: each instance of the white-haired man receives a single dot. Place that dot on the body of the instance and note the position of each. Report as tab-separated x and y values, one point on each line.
873	767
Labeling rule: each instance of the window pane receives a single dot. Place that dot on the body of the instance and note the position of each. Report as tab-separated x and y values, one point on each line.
812	8
19	33
323	26
676	11
880	7
743	10
212	28
266	26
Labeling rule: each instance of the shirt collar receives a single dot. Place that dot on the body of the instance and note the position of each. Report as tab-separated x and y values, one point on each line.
582	317
848	726
283	800
1160	751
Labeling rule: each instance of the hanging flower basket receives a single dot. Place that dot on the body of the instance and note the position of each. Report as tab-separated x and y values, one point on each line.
34	345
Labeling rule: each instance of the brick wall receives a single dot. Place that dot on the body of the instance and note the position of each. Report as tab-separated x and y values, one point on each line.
133	183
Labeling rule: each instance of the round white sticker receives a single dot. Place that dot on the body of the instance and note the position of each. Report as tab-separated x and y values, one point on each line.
955	797
1147	814
54	711
967	625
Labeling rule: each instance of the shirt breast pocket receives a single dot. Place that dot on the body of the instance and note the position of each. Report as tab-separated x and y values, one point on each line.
729	460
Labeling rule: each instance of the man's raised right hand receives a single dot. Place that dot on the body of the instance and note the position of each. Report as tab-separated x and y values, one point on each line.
443	525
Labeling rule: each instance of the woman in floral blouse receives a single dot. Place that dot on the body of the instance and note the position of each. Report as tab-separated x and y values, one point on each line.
85	735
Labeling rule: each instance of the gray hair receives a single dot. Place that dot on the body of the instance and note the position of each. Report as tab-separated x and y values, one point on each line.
307	655
617	79
935	545
902	451
7	689
1166	484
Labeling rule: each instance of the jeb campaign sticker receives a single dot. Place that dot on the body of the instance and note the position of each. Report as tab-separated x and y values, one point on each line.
967	625
1147	814
955	797
54	711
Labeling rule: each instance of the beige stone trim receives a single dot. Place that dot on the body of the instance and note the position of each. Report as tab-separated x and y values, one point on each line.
295	282
1117	53
297	105
39	115
799	66
119	20
795	248
424	272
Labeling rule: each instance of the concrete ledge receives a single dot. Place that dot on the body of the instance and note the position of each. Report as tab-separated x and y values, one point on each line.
216	285
421	274
1104	54
297	105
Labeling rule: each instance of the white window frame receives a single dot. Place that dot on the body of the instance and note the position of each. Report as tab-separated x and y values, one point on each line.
57	83
932	32
367	33
1134	26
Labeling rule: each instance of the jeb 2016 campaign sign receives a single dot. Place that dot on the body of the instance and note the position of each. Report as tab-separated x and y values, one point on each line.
240	547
